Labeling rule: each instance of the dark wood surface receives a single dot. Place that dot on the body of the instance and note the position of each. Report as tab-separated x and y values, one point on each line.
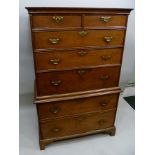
84	58
48	22
77	58
77	124
43	142
78	106
74	10
74	39
77	80
95	20
77	21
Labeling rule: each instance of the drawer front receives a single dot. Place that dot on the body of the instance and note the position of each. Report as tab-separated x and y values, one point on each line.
78	58
77	106
56	82
68	39
105	20
56	21
77	125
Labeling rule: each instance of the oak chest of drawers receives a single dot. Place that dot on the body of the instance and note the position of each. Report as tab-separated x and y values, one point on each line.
77	58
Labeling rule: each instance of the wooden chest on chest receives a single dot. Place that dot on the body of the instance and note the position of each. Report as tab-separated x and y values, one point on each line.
77	59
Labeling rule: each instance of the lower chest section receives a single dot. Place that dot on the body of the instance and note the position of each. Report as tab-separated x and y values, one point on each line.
77	116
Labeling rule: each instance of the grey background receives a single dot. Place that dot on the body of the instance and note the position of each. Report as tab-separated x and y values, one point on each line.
26	70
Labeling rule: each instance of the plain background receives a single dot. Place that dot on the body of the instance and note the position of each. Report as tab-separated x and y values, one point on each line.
26	81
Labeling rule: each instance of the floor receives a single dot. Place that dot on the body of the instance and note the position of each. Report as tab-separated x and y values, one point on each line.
131	101
123	143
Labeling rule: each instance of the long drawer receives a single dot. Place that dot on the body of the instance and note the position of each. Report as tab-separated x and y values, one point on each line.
76	125
77	106
68	39
76	58
77	80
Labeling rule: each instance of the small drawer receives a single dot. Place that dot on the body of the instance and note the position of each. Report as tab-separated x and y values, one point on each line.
76	125
104	20
56	21
76	106
70	39
68	81
77	58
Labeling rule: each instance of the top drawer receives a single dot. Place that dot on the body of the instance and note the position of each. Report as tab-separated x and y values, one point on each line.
104	20
60	21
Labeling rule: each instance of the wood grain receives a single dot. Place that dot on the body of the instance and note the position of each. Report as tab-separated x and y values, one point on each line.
48	22
74	39
78	124
66	59
72	81
95	21
78	106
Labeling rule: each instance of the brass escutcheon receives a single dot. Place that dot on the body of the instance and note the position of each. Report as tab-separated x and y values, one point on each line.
55	61
54	110
54	41
58	19
56	129
108	39
105	19
106	57
103	104
56	82
83	33
82	72
82	53
104	77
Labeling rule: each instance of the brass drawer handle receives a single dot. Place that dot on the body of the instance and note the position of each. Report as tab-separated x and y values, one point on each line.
104	77
54	110
83	33
54	41
103	104
56	82
108	39
82	53
58	19
105	19
80	118
55	61
106	57
56	130
81	72
101	122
